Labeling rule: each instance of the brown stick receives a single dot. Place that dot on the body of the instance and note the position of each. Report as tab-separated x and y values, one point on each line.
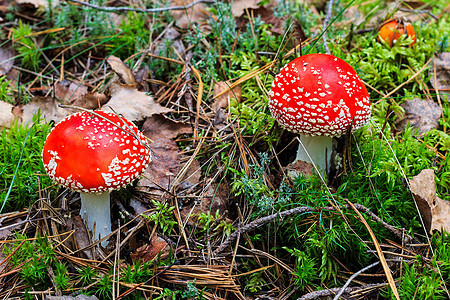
300	210
149	10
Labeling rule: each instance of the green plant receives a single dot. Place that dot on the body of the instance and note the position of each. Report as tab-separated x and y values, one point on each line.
27	47
162	216
34	258
136	273
253	187
206	220
191	292
5	91
385	68
305	268
86	275
103	287
62	279
419	282
168	294
255	281
21	164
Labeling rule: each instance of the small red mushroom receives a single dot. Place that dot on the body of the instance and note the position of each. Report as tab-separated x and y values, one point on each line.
94	153
391	30
319	96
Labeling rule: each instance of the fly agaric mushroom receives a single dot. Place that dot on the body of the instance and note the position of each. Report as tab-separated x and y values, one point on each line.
319	96
391	30
95	153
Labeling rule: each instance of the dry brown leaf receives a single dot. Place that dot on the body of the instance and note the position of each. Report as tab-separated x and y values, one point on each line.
299	167
266	14
223	100
184	18
435	211
148	252
132	104
6	58
38	3
211	201
126	99
440	72
8	227
138	206
81	235
166	162
173	38
422	115
122	70
48	107
239	6
6	114
68	91
91	101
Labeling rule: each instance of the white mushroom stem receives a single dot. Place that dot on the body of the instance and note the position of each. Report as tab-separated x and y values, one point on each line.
317	150
96	211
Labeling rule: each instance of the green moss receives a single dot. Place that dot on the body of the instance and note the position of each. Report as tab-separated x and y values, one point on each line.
21	164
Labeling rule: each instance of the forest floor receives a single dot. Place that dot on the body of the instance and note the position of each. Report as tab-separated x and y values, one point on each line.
218	213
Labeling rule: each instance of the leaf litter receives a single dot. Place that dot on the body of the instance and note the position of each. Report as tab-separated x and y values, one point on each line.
435	211
175	176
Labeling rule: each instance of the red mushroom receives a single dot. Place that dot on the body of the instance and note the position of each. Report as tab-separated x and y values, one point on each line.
319	96
95	153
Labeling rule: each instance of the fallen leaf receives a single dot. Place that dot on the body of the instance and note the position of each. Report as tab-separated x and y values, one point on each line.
47	106
149	251
126	99
90	101
132	104
422	115
6	114
434	210
239	6
299	167
166	162
81	236
192	175
440	73
215	198
223	100
122	70
68	91
7	229
138	206
39	3
266	15
186	17
6	57
173	40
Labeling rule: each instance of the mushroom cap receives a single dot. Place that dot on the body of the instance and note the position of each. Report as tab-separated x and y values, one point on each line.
391	30
89	154
319	94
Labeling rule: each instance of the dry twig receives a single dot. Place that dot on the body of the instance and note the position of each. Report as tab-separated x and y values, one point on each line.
301	210
148	10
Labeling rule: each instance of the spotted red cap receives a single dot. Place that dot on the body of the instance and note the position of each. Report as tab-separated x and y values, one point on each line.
87	153
319	94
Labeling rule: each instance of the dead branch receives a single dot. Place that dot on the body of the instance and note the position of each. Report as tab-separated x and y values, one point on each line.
149	10
333	291
353	277
300	210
